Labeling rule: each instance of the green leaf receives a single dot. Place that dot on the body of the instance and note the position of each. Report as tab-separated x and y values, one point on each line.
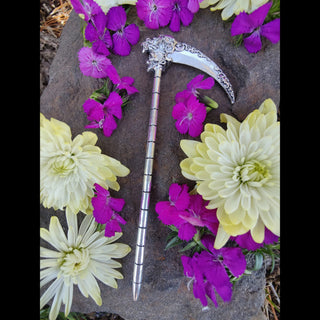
173	242
259	261
190	245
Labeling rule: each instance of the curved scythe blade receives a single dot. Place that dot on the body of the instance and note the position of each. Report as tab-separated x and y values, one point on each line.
185	54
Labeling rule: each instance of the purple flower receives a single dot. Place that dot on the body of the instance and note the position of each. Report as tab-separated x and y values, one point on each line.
208	271
105	210
186	212
96	65
197	215
154	13
127	84
180	12
168	211
193	5
198	83
123	36
245	240
102	115
190	114
98	34
88	8
252	23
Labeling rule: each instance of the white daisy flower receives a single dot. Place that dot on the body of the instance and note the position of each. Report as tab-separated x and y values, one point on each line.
80	257
238	171
70	168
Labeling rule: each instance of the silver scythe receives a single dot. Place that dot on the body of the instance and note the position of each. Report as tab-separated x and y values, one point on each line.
163	50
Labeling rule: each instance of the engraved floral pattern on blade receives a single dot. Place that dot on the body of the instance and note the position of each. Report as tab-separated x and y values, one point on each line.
158	49
221	77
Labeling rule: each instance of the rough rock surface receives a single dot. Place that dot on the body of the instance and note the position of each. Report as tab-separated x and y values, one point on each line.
164	293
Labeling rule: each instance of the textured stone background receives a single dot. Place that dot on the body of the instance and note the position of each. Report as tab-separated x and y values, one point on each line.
255	77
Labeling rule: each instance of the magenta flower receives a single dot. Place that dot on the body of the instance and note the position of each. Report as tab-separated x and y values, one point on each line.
127	84
105	210
198	83
102	115
253	23
190	114
96	65
123	36
154	13
193	5
88	8
168	211
186	212
98	35
245	241
208	270
180	12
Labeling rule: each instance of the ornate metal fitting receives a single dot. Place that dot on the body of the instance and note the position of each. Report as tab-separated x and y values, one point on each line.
159	48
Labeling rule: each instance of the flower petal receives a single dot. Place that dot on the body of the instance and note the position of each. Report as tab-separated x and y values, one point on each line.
116	18
132	33
113	104
121	45
271	30
257	16
241	24
253	42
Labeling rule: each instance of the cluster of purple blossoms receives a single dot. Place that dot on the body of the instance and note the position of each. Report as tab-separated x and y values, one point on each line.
186	212
159	13
209	269
105	210
107	33
102	112
189	112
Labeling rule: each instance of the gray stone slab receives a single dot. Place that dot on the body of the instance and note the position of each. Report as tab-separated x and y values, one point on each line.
255	77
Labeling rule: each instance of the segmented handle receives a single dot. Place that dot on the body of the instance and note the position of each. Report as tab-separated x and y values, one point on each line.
146	188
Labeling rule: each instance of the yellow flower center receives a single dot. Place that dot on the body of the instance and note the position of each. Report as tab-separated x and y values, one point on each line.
63	165
253	171
75	261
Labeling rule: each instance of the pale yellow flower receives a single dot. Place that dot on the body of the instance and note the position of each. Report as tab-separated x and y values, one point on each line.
69	168
230	7
80	257
238	171
107	4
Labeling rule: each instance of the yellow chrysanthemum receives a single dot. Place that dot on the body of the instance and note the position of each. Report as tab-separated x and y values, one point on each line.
80	257
69	168
238	171
231	7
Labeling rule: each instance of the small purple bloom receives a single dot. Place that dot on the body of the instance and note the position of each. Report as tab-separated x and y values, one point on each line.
194	5
208	271
198	83
190	115
168	211
186	212
102	115
127	84
96	65
105	210
154	13
98	35
123	36
245	240
253	23
88	8
197	215
180	12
